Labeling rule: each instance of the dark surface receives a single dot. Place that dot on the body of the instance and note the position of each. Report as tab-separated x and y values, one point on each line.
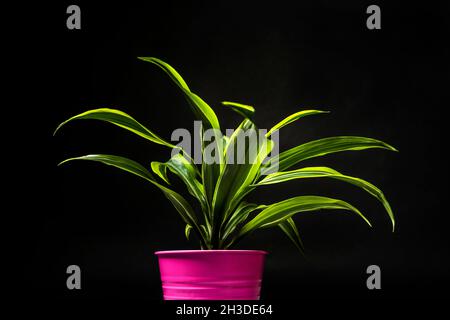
387	84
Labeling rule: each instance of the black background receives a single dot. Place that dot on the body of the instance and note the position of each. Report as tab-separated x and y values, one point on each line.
388	84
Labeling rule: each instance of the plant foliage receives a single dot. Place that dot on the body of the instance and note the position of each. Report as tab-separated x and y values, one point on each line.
221	188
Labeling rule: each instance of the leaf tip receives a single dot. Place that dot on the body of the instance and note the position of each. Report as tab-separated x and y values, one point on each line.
148	59
62	162
367	221
57	128
389	147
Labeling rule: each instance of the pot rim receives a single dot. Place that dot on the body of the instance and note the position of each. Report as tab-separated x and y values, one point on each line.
165	252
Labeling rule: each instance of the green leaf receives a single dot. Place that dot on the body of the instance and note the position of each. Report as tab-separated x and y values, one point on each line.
235	180
186	171
324	172
180	204
211	171
322	147
202	111
184	209
200	108
240	169
290	229
122	163
234	173
161	170
278	212
225	141
206	235
250	176
244	110
187	231
179	163
169	70
238	216
121	119
292	118
207	114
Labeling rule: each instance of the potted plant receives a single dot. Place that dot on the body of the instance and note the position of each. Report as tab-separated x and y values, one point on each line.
220	186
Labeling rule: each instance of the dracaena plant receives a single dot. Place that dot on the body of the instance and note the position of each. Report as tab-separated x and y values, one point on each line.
221	187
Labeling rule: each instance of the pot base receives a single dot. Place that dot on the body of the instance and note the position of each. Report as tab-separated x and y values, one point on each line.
211	274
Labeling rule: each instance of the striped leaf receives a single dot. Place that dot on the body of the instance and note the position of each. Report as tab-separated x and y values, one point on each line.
278	212
290	229
200	108
244	110
324	172
181	205
121	119
292	118
321	147
224	186
160	169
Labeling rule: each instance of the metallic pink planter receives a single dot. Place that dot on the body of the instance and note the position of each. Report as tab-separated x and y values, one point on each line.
211	274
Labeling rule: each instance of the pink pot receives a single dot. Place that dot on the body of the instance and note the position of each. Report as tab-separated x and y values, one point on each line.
211	274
